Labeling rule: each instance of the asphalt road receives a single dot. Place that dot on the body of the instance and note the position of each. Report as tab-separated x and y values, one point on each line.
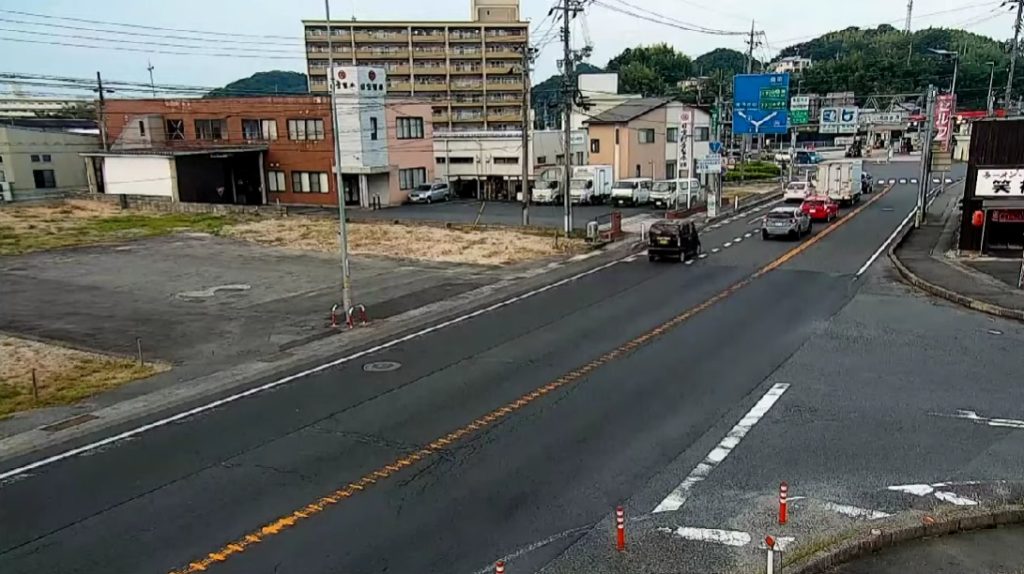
495	213
603	391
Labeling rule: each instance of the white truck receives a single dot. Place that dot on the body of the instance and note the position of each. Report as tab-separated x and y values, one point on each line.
548	187
841	180
633	191
591	184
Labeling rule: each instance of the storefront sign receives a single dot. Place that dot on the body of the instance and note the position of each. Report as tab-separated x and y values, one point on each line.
1008	215
1000	183
944	120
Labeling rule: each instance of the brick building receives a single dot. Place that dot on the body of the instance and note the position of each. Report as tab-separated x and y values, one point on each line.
261	150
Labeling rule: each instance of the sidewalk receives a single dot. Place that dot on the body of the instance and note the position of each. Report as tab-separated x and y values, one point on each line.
921	258
995	551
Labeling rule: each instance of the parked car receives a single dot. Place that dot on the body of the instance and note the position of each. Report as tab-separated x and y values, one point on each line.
797	191
429	193
789	222
672	193
807	157
673	239
820	208
633	191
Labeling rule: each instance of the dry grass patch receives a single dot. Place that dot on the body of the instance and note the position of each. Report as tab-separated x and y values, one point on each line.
63	375
81	222
482	246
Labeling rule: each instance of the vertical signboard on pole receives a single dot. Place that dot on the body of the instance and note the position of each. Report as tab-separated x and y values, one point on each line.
761	104
944	120
799	110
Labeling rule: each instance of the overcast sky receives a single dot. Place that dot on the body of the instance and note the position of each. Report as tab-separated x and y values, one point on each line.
610	32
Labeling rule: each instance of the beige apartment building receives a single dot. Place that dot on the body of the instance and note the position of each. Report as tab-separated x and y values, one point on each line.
471	71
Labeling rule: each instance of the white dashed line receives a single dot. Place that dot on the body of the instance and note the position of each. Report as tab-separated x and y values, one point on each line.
727	244
702	256
712	535
747	234
676	498
689	261
715	250
737	240
856	511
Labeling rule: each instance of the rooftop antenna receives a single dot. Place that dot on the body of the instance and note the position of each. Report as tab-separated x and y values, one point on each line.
150	68
910	13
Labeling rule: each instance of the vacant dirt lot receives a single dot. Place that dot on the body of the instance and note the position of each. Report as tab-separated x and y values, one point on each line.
81	222
429	243
63	375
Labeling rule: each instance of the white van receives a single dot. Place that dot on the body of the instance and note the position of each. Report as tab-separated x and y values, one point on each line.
797	191
633	191
672	193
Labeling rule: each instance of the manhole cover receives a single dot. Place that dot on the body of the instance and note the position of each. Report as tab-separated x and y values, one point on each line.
381	366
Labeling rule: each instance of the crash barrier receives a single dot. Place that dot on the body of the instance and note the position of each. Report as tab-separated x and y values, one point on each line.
357	311
620	529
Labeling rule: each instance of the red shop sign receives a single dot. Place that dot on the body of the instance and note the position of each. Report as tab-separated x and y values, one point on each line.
1008	215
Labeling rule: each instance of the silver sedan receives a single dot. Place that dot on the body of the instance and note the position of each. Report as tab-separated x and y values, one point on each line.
788	222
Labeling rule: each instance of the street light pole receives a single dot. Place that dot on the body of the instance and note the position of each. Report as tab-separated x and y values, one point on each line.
1014	50
926	148
346	277
989	102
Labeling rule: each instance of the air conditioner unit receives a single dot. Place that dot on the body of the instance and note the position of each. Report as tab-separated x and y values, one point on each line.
5	191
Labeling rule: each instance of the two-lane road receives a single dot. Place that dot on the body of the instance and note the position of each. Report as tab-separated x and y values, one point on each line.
519	424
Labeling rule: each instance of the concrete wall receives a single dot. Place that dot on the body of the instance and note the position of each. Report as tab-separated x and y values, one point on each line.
650	157
142	176
485	153
409	153
18	145
700	145
604	134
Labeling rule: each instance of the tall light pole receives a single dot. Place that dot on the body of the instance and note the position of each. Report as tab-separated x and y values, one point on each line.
346	277
1014	50
956	69
989	102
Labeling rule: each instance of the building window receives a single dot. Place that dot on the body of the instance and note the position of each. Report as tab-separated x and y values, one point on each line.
176	130
305	129
670	170
373	128
672	134
3	176
542	159
259	129
309	182
35	158
646	135
410	178
142	128
638	170
45	179
275	182
506	161
702	134
616	136
211	129
559	159
595	146
579	158
410	128
460	160
439	160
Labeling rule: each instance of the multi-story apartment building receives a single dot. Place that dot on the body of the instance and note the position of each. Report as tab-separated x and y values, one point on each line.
470	71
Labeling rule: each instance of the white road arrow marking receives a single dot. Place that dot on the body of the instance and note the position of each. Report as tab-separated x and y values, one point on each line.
856	511
978	419
712	535
931	489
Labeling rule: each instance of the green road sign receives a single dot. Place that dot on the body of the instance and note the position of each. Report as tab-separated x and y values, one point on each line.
799	117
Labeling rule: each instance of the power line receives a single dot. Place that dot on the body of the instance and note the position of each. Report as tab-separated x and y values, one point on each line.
142	42
662	20
296	42
144	51
218	33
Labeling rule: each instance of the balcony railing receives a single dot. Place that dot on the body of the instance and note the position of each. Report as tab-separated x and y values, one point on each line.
388	37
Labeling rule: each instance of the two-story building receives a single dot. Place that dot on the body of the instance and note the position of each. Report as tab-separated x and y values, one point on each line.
276	149
631	138
40	157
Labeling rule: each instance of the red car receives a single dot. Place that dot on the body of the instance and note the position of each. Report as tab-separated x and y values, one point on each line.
820	208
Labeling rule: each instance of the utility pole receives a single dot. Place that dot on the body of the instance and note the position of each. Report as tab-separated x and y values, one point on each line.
346	277
527	58
568	92
716	179
101	111
926	148
989	102
750	69
910	14
1014	50
150	68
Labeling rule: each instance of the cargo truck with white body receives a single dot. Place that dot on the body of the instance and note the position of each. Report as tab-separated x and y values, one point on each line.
841	180
591	184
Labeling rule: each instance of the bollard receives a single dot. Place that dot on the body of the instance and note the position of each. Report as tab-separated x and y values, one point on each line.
620	528
35	387
783	495
770	543
138	345
499	567
334	315
643	232
736	203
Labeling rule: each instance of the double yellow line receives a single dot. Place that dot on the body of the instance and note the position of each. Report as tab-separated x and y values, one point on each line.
351	489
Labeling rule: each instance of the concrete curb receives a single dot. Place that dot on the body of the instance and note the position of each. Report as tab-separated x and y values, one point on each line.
958	298
867	543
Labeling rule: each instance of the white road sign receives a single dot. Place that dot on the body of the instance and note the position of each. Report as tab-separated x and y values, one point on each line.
709	164
838	120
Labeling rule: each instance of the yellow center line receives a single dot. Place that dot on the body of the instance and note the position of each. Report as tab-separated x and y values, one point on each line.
310	510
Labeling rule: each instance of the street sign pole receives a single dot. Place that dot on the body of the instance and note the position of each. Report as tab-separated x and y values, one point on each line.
926	147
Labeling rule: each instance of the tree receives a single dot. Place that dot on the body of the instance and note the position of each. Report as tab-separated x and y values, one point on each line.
263	84
650	70
731	62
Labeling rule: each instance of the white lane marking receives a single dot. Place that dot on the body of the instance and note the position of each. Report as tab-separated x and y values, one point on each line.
689	262
585	256
856	511
737	240
531	547
754	220
703	256
932	489
892	181
631	258
712	535
676	498
293	377
903	180
914	181
885	244
727	244
715	250
747	234
974	417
